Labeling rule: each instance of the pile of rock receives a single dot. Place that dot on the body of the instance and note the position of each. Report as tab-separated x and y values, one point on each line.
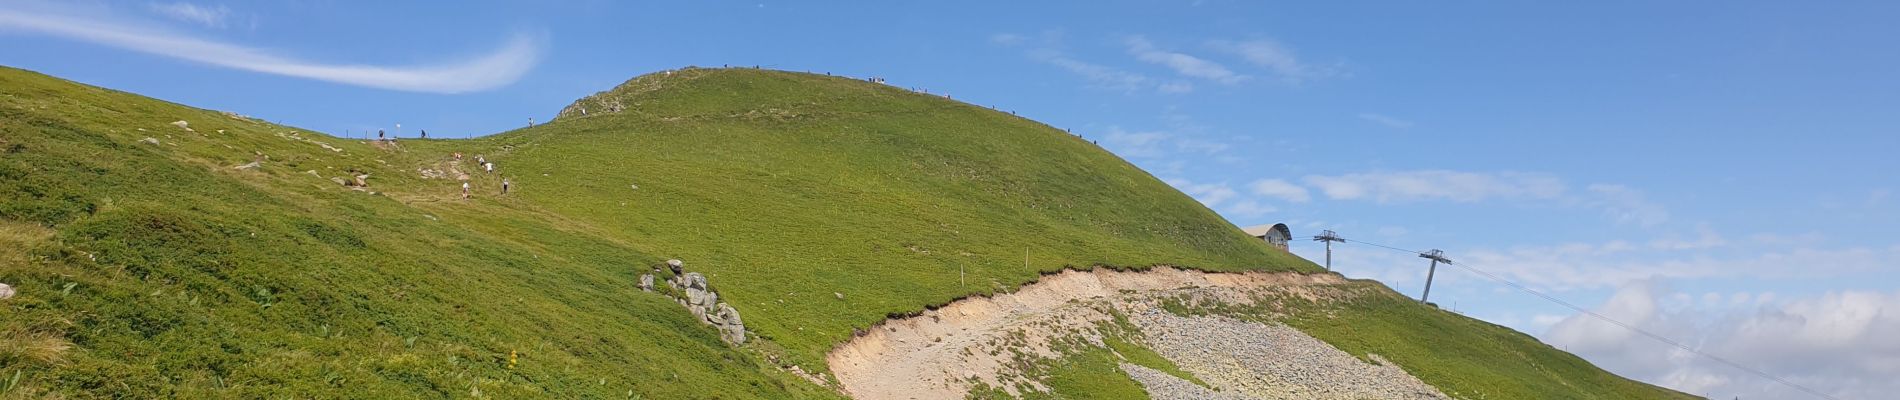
1161	386
1271	360
698	297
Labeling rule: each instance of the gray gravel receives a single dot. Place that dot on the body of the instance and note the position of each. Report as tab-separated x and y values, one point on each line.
1161	386
1270	361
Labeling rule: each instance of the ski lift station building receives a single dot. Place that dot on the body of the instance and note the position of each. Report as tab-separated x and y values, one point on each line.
1276	235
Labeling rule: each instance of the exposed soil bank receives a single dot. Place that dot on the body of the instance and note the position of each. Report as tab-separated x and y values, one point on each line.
940	354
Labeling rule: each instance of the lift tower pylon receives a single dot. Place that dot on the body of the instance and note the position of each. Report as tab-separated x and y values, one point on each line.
1329	237
1436	256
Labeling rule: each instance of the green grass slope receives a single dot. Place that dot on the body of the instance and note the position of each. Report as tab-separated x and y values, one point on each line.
789	187
816	205
160	271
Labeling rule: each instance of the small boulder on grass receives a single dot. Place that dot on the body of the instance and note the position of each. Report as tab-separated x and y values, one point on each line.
6	291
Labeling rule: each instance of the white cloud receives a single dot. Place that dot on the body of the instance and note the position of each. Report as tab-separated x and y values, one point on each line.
1159	144
1098	75
1183	64
1627	205
1006	39
1839	343
1136	144
212	17
1250	208
1401	186
495	69
1389	122
1213	195
1585	266
1280	189
1544	321
1271	55
1192	145
1622	204
1175	87
1391	231
1705	238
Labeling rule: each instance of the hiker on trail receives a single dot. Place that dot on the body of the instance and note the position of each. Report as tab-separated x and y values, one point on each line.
489	166
458	156
480	160
425	133
379	134
464	190
504	185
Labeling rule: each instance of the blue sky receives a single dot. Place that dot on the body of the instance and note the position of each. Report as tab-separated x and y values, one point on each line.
1718	172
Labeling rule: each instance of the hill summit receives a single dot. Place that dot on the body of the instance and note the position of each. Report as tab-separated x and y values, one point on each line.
158	250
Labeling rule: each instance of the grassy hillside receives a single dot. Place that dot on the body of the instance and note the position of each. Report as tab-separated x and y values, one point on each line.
151	270
160	270
790	187
225	258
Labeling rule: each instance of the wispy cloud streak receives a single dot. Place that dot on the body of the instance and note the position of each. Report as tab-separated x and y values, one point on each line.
212	17
501	67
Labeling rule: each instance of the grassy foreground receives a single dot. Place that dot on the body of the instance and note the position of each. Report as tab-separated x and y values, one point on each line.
170	269
226	258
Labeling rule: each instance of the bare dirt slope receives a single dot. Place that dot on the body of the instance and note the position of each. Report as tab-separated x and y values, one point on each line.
986	341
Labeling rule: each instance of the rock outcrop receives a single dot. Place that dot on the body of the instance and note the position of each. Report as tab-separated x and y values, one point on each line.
699	298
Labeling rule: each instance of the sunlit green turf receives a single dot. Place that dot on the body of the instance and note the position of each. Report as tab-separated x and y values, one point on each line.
816	205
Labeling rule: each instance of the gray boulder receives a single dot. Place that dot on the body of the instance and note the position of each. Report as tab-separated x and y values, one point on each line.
646	282
6	292
693	280
699	298
730	326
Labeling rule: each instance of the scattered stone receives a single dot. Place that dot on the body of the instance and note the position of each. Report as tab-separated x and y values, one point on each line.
313	173
646	282
6	292
676	265
1161	386
839	295
149	140
339	180
181	124
703	302
1270	360
251	165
